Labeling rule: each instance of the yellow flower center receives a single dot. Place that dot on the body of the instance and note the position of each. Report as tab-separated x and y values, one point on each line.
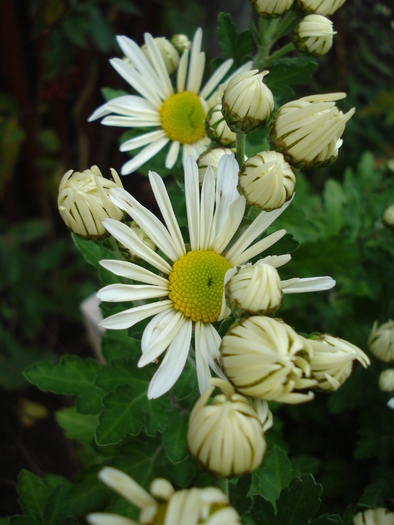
196	285
183	118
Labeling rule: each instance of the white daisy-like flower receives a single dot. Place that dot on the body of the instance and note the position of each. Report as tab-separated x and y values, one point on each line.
190	287
163	106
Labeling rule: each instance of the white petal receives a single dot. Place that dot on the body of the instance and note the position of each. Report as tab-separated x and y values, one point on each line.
234	219
131	292
101	518
129	318
142	140
207	342
216	78
143	156
132	122
206	210
172	155
133	271
159	65
192	194
182	70
173	362
194	58
309	284
257	248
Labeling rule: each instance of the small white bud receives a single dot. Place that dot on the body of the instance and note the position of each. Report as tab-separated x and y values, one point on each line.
271	8
267	180
181	43
314	35
217	129
84	201
226	436
388	217
379	516
386	380
167	51
247	103
381	341
320	7
211	157
308	131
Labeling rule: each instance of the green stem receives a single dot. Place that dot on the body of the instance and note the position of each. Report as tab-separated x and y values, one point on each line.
223	485
288	48
240	148
286	22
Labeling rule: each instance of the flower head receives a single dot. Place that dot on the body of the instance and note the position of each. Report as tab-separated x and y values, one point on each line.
381	341
332	361
267	180
205	506
386	380
211	157
226	436
217	128
167	50
247	103
320	7
189	291
313	35
379	516
84	202
307	131
266	359
388	217
181	43
162	106
271	8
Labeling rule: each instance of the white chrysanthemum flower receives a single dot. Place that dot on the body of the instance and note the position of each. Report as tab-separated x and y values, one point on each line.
161	105
181	43
247	103
217	128
320	7
313	35
332	361
83	201
386	380
381	341
190	289
167	51
308	131
271	8
195	506
267	180
266	359
226	436
211	158
379	516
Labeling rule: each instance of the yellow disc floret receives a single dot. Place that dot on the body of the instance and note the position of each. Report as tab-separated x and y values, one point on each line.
196	285
182	118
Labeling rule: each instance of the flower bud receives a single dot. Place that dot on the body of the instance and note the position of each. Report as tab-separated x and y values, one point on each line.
307	131
313	35
167	51
226	436
332	361
388	217
379	516
320	7
247	103
265	358
217	129
254	290
201	505
381	341
386	380
126	252
270	8
83	201
181	43
211	157
267	180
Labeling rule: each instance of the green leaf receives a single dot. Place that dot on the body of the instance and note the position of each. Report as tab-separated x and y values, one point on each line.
57	507
109	93
299	502
77	426
327	519
71	376
33	493
262	511
305	464
94	251
127	6
232	44
239	494
275	473
88	494
117	344
174	436
119	372
334	200
127	410
288	72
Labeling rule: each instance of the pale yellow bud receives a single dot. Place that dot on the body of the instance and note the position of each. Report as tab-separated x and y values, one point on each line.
196	505
388	217
308	131
181	43
271	8
314	35
332	361
267	180
320	7
381	341
226	436
379	516
386	380
266	359
130	255
84	201
247	103
217	129
254	290
211	157
168	52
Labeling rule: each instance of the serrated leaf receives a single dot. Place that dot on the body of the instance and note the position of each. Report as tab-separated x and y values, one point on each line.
290	72
57	507
34	518
227	35
298	503
275	473
262	511
327	519
77	426
116	344
127	410
71	376
187	386
88	494
239	494
94	251
119	372
33	493
174	436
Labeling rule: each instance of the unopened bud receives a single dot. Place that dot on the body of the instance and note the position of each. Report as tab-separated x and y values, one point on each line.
211	157
217	128
167	51
388	217
181	43
320	7
379	516
381	341
314	35
270	8
386	380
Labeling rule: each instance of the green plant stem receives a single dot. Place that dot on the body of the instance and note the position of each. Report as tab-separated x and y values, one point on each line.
223	485
288	48
240	148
